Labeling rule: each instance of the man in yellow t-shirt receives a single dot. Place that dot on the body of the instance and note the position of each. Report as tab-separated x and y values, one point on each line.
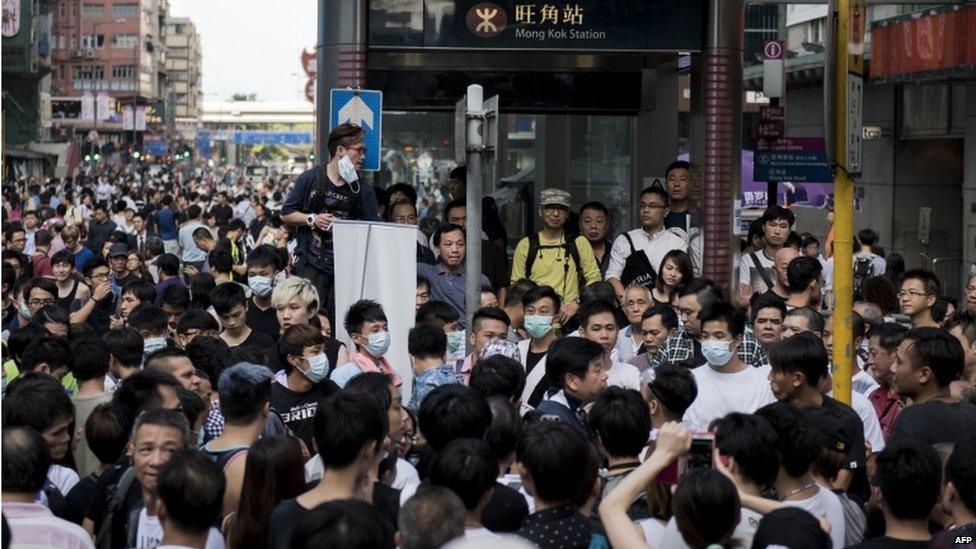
556	263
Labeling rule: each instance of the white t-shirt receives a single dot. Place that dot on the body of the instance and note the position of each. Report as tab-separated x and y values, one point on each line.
862	382
626	348
624	375
653	531
480	533
150	532
720	394
873	434
63	478
654	246
743	533
825	504
749	274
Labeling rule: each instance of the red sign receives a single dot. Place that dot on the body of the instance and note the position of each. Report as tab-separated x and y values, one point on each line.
486	20
935	41
309	63
310	90
774	49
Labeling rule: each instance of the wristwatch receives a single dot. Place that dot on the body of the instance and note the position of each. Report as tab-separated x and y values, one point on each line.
310	219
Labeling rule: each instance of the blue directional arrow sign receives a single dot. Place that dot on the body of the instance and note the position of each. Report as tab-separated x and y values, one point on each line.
365	109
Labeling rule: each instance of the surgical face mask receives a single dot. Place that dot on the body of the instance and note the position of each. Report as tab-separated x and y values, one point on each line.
25	311
538	325
318	368
455	341
260	285
347	170
717	352
681	324
200	438
378	344
153	344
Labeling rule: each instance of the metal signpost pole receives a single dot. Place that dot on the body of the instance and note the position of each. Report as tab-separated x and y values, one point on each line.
474	124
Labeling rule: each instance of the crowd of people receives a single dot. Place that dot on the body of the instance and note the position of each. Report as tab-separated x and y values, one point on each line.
171	378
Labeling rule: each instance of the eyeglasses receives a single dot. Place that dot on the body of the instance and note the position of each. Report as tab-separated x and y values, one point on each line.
651	206
405	219
99	276
555	208
911	293
41	302
971	290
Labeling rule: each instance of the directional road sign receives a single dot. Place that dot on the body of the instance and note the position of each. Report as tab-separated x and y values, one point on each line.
793	159
365	109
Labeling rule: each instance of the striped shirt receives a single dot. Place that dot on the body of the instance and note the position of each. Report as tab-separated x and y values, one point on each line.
33	525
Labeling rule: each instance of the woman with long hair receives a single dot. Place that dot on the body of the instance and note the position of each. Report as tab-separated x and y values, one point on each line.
136	264
274	473
675	270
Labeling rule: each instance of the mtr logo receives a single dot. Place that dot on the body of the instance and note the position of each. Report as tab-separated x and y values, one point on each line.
486	20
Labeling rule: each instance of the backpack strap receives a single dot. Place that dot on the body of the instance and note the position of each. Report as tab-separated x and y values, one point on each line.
116	500
573	252
633	250
530	256
762	271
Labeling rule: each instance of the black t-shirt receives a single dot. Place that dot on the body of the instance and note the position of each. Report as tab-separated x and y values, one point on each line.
774	295
946	539
935	421
884	542
506	510
677	220
284	517
854	428
298	409
223	213
8	315
80	498
98	509
257	339
386	500
532	358
265	321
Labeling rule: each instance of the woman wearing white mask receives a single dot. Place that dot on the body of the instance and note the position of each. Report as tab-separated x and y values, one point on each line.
367	326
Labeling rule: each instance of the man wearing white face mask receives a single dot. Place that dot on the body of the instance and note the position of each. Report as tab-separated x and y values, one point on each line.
366	324
541	305
302	384
320	196
725	383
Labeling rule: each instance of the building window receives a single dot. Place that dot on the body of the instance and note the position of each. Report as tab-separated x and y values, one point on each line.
127	41
126	10
124	71
178	53
93	41
93	11
88	72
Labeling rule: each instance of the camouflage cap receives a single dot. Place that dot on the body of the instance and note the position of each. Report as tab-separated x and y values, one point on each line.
556	197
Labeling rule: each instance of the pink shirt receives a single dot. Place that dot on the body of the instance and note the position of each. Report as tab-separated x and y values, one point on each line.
33	525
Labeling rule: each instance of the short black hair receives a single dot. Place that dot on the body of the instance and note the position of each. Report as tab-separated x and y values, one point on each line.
191	486
704	289
505	428
815	320
138	393
938	350
143	290
721	311
426	340
518	289
45	284
361	312
148	317
450	412
37	401
489	313
51	314
594	205
909	473
751	440
555	455
345	423
47	349
658	192
592	308
210	355
456	203
225	297
26	459
570	356
168	264
622	421
221	260
541	292
104	434
960	470
344	135
176	296
677	165
799	446
928	279
202	233
889	334
467	467
405	189
439	312
765	301
446	228
675	389
125	345
93	263
776	213
63	256
801	353
498	375
801	272
669	319
90	357
264	255
348	523
196	319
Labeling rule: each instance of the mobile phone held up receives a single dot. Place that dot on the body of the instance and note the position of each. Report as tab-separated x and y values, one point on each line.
699	456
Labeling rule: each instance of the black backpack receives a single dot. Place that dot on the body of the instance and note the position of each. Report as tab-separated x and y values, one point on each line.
638	270
863	270
571	251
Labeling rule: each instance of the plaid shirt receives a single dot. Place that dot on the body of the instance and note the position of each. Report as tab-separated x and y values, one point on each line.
680	346
213	426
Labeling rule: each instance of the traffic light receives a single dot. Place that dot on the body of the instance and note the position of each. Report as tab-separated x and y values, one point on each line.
311	157
88	158
97	157
136	155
